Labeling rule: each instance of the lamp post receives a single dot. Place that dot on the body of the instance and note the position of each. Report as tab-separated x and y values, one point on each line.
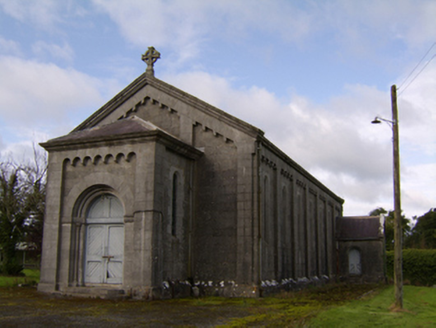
398	255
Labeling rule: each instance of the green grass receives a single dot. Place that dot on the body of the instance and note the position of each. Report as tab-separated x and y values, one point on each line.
375	311
334	305
296	309
293	309
30	277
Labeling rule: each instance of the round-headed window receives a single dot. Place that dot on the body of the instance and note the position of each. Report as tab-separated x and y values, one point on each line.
354	265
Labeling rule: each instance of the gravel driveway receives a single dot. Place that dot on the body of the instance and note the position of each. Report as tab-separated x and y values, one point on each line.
25	307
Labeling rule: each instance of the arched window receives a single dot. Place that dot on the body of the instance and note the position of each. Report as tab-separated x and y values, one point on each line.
285	235
284	205
174	200
266	205
354	264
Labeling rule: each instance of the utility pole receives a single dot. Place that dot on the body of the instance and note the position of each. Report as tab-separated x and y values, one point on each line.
398	233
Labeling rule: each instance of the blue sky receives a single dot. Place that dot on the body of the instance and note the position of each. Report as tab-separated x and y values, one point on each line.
311	74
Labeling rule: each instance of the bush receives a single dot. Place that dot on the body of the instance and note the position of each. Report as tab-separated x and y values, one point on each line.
419	266
12	269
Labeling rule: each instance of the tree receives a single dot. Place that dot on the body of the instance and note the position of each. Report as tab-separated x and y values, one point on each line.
36	173
423	235
13	214
389	226
22	205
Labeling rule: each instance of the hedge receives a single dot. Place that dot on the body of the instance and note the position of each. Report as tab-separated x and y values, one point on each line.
419	266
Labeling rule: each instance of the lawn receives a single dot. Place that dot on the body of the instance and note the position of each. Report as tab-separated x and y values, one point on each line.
334	305
30	277
375	310
26	307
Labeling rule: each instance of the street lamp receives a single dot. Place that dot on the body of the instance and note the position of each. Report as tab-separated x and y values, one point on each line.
378	120
398	256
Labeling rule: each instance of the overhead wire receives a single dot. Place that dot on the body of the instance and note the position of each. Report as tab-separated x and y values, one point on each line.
417	65
417	75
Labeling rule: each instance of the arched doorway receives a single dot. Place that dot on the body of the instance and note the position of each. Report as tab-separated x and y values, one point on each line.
104	247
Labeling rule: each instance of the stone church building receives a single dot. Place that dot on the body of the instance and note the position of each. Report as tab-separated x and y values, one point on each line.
159	194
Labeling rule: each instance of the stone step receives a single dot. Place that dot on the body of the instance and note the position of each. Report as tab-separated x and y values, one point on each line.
96	292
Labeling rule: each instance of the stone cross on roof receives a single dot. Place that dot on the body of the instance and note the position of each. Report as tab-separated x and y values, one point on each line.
150	57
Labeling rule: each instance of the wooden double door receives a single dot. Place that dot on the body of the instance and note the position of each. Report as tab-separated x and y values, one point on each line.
104	242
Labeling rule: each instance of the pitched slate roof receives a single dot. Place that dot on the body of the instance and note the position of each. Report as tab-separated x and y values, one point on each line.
133	128
129	125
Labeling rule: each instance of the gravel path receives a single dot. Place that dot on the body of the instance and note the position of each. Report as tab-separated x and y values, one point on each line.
25	307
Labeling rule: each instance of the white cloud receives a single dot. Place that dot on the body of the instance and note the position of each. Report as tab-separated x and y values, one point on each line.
32	91
417	114
156	23
187	26
418	187
9	47
360	28
42	49
21	151
2	145
43	13
40	101
369	28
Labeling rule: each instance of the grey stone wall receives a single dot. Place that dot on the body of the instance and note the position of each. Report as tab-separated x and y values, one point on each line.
215	255
176	229
297	220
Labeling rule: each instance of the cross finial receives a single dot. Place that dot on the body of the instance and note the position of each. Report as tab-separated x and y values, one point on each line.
150	57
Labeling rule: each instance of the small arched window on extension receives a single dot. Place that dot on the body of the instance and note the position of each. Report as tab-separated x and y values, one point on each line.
354	262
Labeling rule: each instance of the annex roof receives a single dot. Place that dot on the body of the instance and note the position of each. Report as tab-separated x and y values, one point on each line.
359	228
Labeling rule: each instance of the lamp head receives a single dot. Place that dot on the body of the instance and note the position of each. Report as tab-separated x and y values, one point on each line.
376	120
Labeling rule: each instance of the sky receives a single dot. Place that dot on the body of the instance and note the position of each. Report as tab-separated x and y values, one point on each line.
311	74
